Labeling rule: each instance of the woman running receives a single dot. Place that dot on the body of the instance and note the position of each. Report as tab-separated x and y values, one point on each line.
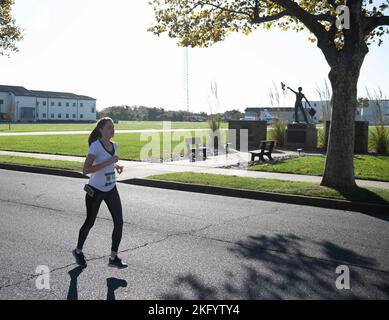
101	162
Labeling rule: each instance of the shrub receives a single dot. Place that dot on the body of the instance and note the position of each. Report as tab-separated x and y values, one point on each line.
278	132
379	139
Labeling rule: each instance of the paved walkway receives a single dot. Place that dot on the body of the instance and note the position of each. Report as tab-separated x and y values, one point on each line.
43	133
214	165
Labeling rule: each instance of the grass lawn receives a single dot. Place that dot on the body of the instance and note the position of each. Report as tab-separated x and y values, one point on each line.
130	144
371	195
367	167
59	164
122	125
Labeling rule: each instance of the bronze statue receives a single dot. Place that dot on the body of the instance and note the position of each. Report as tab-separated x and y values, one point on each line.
299	104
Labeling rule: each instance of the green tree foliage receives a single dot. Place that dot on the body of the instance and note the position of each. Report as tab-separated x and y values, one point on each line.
203	23
10	33
232	115
142	113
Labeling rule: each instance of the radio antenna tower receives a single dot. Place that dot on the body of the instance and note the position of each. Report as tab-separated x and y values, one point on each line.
186	76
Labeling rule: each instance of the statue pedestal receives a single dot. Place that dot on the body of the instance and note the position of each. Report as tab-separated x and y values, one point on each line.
301	135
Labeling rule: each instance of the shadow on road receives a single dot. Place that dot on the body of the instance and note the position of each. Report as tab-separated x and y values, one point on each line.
74	274
112	285
278	267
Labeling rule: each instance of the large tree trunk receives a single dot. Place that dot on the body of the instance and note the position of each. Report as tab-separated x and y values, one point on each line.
339	166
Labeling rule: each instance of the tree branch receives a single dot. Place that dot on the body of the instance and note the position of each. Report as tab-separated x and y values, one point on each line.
273	17
325	17
309	20
374	22
224	8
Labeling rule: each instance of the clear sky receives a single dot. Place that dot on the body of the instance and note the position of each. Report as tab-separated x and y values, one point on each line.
102	49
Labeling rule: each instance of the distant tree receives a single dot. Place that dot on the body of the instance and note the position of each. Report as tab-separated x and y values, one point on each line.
234	114
142	113
362	104
10	33
9	115
154	113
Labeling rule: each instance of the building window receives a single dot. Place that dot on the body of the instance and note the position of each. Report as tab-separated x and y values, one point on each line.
74	116
44	115
52	116
74	104
44	103
67	104
67	116
81	104
1	101
81	116
59	116
37	103
93	110
52	104
59	104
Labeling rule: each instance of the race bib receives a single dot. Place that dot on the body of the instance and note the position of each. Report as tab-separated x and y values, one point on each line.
110	178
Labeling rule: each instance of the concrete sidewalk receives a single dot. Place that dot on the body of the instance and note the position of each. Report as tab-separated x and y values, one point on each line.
214	165
44	133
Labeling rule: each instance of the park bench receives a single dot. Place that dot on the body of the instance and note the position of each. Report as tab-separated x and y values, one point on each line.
194	145
265	149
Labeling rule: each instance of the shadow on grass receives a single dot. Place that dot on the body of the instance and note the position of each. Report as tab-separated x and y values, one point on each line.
261	163
361	195
285	266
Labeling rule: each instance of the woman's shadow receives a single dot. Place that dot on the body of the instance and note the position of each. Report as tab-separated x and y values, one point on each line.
112	285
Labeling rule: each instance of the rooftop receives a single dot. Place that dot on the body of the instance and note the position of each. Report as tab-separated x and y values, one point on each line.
268	109
23	92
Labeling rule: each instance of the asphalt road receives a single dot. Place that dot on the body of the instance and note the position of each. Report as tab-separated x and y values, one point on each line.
182	245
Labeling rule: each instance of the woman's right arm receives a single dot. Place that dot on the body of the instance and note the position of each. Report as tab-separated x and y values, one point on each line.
90	168
292	90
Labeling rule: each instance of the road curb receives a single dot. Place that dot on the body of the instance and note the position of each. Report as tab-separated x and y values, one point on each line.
265	196
42	170
236	193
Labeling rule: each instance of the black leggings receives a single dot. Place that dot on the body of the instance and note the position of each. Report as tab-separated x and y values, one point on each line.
112	199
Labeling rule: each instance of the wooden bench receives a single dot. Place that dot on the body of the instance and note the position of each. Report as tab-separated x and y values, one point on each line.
194	145
265	149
